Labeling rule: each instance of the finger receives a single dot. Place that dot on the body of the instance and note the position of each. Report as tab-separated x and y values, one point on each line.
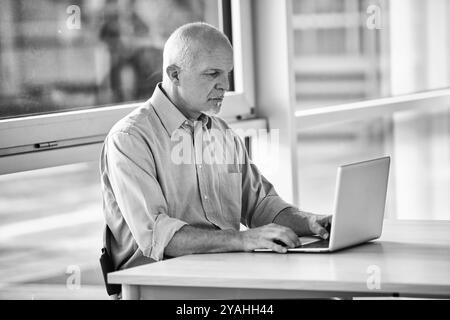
287	236
281	238
293	237
321	231
284	241
276	247
326	222
291	234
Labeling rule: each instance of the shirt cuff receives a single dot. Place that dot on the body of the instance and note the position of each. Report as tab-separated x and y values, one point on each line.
163	231
267	210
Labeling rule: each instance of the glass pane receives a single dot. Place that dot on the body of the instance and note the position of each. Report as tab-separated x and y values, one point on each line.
419	146
66	55
352	50
51	225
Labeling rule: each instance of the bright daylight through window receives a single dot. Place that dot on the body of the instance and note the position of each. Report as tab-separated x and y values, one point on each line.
66	55
353	50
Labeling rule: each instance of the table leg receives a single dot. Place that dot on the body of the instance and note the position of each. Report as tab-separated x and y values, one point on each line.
130	292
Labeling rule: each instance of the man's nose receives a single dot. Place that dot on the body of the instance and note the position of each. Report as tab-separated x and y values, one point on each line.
223	83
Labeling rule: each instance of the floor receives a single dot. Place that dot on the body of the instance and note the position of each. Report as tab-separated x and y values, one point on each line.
46	252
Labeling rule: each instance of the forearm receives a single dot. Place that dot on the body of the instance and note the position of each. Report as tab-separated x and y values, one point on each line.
190	240
294	219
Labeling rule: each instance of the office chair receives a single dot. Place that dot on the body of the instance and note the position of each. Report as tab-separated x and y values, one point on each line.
107	265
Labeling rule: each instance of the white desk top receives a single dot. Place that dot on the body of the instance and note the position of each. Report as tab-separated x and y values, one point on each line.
412	257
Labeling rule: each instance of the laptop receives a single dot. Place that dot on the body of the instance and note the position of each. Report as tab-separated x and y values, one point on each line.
359	207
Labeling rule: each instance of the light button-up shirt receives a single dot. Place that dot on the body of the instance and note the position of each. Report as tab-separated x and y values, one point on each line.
157	176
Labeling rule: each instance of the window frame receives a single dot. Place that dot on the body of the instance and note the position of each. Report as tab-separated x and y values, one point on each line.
367	109
372	109
47	140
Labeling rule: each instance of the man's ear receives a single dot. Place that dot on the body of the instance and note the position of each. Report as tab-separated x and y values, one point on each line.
173	72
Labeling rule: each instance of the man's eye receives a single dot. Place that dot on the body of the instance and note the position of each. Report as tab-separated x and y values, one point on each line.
214	74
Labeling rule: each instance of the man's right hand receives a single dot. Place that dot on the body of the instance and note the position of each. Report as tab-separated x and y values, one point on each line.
266	237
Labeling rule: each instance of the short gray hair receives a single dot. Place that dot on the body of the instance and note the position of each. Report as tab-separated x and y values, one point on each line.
183	44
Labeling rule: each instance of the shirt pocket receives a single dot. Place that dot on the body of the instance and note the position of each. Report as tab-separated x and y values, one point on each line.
230	187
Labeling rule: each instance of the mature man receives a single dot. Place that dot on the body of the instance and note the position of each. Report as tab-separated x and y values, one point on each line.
156	206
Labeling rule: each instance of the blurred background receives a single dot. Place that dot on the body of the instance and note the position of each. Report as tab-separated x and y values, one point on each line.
51	219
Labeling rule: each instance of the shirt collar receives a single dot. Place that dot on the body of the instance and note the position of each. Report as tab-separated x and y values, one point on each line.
170	116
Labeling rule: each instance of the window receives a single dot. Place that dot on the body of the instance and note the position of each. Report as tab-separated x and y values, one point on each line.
418	143
66	81
352	50
372	78
66	55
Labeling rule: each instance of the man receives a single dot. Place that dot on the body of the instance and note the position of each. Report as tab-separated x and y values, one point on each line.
157	206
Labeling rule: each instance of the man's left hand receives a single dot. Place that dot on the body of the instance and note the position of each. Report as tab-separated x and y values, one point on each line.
318	224
305	223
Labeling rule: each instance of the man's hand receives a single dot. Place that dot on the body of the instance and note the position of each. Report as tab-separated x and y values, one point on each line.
305	223
270	236
318	224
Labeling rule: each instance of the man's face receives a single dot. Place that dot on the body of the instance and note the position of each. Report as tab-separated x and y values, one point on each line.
203	84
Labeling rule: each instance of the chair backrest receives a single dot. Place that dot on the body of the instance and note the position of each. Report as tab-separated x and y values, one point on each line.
107	264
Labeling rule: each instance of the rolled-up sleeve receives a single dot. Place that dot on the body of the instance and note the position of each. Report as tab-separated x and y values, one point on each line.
131	170
260	202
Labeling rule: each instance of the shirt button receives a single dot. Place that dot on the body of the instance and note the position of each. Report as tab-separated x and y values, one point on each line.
206	197
199	166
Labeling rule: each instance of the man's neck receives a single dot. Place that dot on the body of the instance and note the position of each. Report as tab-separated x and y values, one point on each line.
169	93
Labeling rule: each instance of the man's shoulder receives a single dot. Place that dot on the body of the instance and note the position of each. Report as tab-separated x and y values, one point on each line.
141	121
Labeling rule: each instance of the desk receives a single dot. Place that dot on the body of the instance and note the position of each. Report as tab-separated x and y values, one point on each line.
412	259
